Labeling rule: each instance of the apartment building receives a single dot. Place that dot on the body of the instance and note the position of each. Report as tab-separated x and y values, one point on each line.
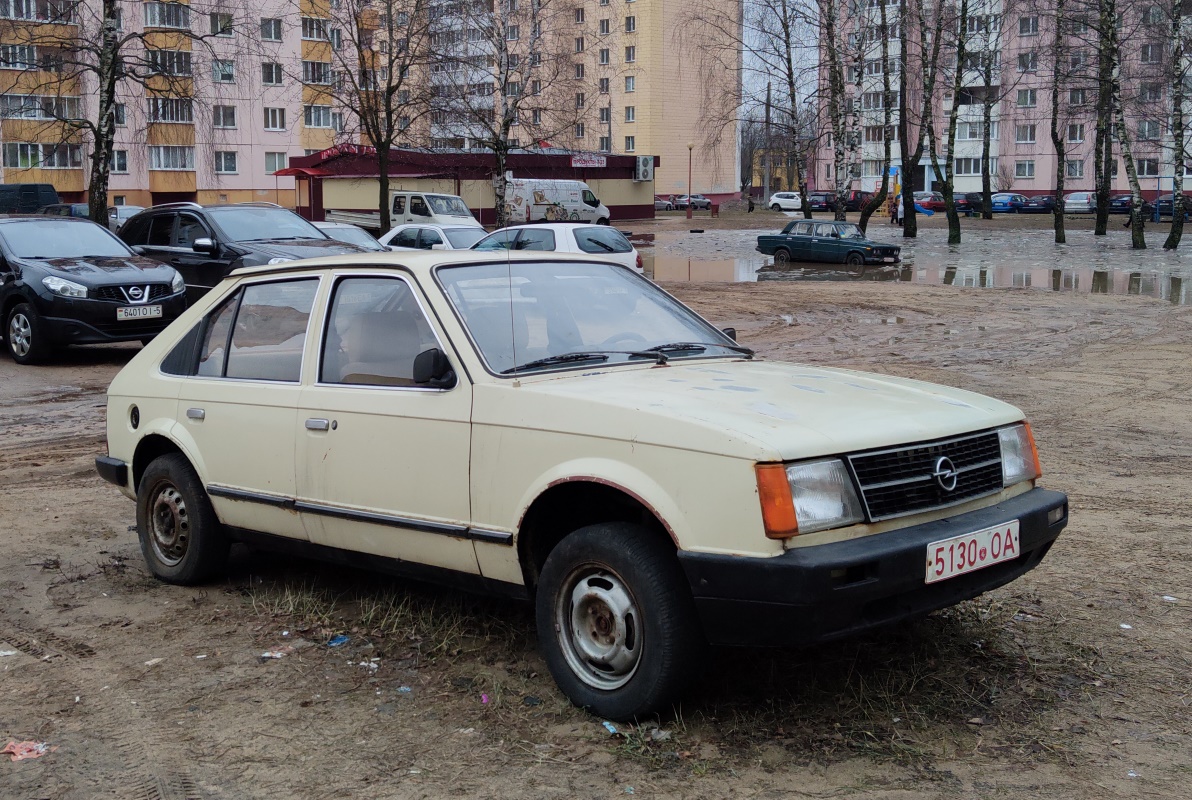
1009	60
227	92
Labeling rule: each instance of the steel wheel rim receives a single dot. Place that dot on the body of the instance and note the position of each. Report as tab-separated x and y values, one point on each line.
782	257
169	526
599	627
20	335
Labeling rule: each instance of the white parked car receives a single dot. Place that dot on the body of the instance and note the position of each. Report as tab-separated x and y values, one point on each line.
565	237
352	234
785	201
560	429
432	237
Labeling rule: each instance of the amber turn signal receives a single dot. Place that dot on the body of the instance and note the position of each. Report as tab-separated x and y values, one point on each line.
778	506
1030	437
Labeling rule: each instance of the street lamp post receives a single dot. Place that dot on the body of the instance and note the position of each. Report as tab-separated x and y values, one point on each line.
690	147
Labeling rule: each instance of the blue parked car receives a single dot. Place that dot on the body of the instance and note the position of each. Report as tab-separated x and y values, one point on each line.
1006	202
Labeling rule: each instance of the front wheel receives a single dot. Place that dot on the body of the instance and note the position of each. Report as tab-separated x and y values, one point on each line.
855	260
782	256
602	221
776	207
181	538
616	621
25	335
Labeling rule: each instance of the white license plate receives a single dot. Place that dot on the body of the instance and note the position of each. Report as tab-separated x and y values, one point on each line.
888	260
138	312
968	552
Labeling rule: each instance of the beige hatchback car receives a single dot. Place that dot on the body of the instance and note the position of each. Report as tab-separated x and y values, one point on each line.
560	429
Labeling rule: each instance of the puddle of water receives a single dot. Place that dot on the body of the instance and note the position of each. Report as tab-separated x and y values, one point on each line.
986	259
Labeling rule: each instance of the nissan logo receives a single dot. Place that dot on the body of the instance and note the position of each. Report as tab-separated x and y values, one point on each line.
945	474
135	293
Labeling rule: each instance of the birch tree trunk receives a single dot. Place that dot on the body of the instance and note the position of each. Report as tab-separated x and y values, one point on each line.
1057	139
1179	149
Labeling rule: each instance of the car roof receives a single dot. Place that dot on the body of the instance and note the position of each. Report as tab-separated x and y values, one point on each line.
555	226
42	218
420	262
324	224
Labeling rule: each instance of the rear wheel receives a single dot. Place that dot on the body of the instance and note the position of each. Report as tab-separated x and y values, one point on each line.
855	260
25	335
782	256
181	538
616	621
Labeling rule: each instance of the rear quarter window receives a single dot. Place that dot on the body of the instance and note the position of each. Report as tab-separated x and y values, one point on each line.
601	239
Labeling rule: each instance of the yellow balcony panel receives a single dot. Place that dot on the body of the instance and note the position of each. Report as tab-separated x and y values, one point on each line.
36	130
64	180
171	180
315	8
170	86
317	95
170	134
168	39
316	51
51	83
316	138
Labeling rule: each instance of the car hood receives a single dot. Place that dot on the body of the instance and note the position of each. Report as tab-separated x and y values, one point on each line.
758	410
104	271
299	248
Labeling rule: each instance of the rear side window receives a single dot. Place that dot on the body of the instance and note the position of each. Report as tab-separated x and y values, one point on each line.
405	238
500	240
803	229
601	239
160	229
374	332
189	229
429	237
214	351
824	229
536	239
270	331
399	204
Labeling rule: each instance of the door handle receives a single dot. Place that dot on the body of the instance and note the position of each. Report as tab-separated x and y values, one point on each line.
318	425
196	413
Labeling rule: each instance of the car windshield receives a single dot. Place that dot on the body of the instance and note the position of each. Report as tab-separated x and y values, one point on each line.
848	230
354	236
59	238
260	223
448	205
522	312
463	238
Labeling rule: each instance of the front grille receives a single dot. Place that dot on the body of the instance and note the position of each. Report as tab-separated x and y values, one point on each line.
901	480
118	293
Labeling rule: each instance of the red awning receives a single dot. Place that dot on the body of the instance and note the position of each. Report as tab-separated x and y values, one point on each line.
302	172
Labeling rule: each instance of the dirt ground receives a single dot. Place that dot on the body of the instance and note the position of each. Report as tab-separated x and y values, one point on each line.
1072	682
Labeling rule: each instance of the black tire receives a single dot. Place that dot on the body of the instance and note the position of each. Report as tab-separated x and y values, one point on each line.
181	538
782	256
775	207
855	260
25	335
642	641
602	221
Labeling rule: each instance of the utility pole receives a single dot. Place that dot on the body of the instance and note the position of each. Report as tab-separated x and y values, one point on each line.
766	154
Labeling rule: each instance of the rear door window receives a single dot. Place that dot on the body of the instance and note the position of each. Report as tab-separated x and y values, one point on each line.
429	237
375	330
270	331
803	229
536	239
407	237
824	229
399	204
161	229
190	228
601	239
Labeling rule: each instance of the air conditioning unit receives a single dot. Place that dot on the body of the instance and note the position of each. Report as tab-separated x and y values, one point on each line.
645	169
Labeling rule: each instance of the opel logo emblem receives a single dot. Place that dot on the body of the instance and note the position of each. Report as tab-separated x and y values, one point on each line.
945	474
135	292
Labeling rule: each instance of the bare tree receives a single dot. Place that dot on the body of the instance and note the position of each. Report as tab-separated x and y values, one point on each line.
928	21
1058	52
958	73
1107	61
73	60
1179	147
882	34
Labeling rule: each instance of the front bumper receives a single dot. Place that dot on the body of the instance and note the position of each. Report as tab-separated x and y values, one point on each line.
88	321
812	594
884	259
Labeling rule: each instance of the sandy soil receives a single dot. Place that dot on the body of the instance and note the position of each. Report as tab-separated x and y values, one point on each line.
1038	690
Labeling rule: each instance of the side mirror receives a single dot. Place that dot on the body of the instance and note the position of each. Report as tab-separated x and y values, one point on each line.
203	245
431	368
730	333
438	247
138	249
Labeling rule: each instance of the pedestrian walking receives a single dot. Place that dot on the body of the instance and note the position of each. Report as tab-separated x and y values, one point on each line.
899	211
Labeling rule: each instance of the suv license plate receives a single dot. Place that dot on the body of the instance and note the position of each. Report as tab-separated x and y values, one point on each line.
138	312
968	552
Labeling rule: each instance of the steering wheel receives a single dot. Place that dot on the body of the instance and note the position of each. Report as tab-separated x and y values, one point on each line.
623	336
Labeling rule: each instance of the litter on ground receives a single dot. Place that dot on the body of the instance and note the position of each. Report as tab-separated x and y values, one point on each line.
22	750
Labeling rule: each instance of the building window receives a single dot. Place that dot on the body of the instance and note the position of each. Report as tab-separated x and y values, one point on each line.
19	56
171	109
274	162
1147	167
579	44
271	74
605	27
1076	97
119	163
536	116
223	116
1152	15
120	115
1027	98
1152	53
512	88
579	130
314	29
1024	169
169	62
225	161
604	56
270	29
630	113
316	116
1024	134
275	119
222	24
604	85
1076	133
1151	93
972	166
161	15
579	72
1074	168
630	54
316	72
223	70
1148	130
606	143
1028	26
1028	62
630	83
1078	59
630	144
512	33
579	99
630	24
535	87
171	157
337	121
579	16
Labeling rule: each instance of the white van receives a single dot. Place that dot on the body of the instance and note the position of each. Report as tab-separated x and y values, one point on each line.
427	208
553	201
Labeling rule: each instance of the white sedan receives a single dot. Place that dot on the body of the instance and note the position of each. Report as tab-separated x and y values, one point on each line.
566	237
785	201
417	236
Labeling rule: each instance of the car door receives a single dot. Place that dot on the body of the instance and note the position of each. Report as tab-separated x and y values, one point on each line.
240	408
824	245
428	238
153	236
406	238
382	462
201	271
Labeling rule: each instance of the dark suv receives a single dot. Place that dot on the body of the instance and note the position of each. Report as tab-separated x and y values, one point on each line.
205	243
70	281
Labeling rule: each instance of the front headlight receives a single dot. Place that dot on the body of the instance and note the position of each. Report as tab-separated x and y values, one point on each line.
177	284
1020	459
64	287
807	497
279	260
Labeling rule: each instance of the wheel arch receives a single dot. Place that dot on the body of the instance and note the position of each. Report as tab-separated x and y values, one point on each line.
148	449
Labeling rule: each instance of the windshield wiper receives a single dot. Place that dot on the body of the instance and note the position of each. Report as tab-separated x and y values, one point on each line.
589	355
698	347
608	248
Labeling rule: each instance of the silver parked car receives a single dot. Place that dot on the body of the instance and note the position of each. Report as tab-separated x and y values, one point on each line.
118	215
